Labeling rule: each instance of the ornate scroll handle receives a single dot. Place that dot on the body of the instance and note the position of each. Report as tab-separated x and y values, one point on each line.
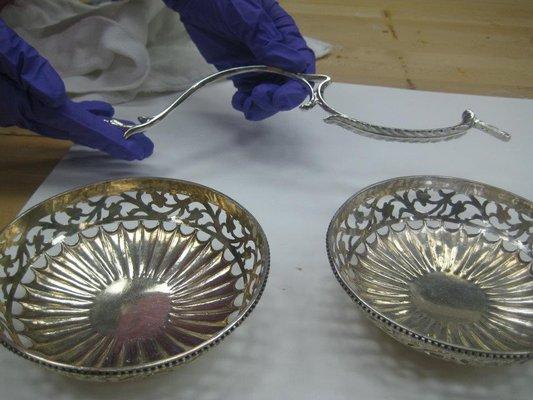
316	84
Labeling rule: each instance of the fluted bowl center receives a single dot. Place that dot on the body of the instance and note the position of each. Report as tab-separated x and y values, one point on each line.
129	295
443	295
131	309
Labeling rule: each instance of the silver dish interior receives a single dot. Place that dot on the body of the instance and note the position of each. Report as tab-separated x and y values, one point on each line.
441	264
129	277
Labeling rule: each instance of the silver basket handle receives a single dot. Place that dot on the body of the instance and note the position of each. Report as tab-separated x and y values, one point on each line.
316	85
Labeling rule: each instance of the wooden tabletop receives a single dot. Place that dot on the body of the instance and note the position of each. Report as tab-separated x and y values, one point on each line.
461	46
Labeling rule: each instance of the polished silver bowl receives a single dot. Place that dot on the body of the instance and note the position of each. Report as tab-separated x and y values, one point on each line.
128	277
442	265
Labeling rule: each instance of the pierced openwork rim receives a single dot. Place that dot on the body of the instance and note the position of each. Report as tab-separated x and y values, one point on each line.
395	184
155	366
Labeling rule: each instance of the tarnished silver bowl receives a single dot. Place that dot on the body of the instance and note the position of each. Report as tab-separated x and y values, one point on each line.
442	265
128	277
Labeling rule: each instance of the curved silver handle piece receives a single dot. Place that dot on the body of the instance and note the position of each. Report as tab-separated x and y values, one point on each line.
316	84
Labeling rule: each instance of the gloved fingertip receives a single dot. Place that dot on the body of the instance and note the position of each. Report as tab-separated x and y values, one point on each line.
254	112
289	96
137	147
238	99
146	146
262	94
249	110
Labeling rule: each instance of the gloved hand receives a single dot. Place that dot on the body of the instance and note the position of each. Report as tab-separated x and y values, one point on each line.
32	96
232	33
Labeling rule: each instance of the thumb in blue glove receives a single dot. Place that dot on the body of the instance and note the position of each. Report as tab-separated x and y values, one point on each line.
231	33
32	96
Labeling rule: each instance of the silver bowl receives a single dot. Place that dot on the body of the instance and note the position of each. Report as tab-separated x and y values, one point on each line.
128	277
442	265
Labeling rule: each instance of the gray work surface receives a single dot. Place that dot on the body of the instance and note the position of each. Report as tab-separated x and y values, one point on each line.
306	339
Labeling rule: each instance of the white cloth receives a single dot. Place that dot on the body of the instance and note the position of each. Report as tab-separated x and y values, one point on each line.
113	51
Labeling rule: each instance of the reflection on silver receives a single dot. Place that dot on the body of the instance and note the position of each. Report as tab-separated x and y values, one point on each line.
316	84
129	277
442	265
144	295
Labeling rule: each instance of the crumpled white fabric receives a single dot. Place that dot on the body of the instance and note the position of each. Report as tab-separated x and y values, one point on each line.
114	51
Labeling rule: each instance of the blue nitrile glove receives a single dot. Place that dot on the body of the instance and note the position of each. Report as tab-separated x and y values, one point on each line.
231	33
32	96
